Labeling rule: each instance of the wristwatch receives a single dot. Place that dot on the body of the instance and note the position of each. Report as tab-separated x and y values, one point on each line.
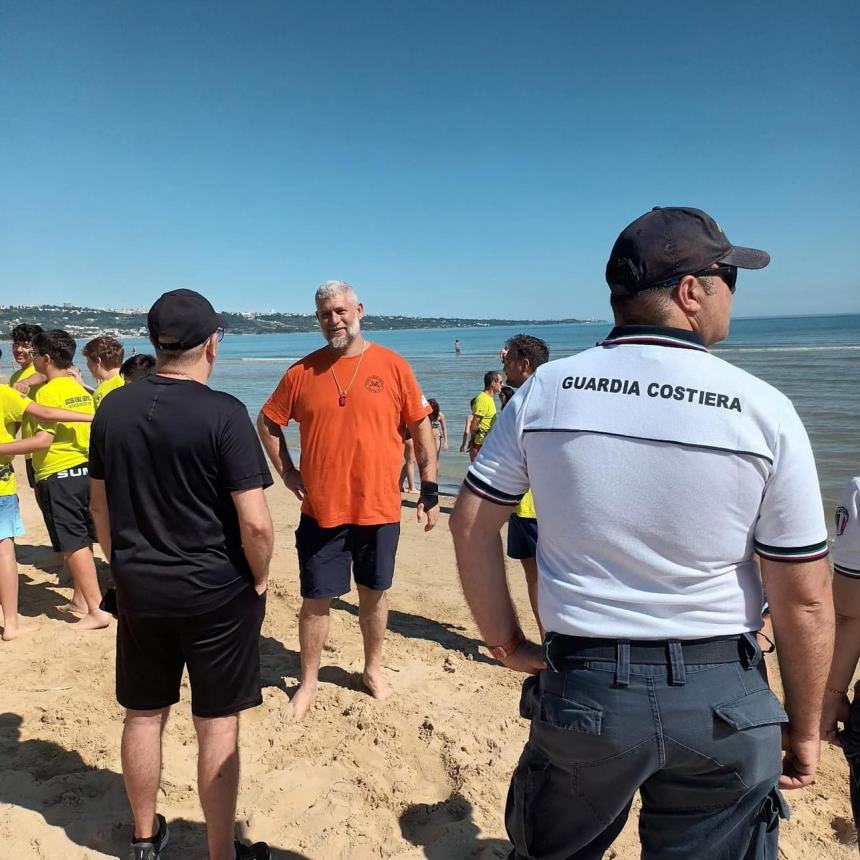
502	651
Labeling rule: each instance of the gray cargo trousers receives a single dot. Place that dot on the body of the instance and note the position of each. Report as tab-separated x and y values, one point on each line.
700	741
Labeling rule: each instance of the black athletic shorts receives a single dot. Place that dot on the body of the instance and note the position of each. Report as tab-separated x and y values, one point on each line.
522	537
221	649
326	555
65	501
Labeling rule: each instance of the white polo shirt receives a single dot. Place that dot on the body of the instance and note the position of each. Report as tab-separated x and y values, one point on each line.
846	548
658	471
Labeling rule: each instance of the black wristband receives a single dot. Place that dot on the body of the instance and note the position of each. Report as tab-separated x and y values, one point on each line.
429	496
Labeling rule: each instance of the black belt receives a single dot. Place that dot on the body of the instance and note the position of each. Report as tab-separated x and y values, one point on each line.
718	649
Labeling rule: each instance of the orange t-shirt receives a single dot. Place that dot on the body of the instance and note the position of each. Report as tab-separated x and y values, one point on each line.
351	454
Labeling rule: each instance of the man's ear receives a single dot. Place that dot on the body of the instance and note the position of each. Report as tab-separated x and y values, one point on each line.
688	295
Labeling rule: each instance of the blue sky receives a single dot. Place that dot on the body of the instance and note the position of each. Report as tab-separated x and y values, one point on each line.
457	159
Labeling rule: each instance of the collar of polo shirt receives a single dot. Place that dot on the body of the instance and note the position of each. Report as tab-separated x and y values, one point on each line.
654	335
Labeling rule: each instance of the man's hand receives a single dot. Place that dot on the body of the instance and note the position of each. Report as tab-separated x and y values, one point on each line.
800	761
432	515
261	587
527	658
428	503
293	482
833	712
22	385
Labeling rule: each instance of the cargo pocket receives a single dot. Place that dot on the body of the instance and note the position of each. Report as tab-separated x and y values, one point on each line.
523	807
572	716
747	737
755	709
765	835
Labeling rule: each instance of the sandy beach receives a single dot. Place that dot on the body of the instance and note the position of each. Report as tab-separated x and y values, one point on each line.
422	775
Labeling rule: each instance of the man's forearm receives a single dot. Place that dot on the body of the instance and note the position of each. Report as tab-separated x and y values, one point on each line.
804	632
258	545
480	562
846	653
425	449
474	426
274	444
101	521
24	446
101	515
482	574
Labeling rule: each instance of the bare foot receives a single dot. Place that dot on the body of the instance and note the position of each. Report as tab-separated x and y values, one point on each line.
10	633
301	702
376	685
96	620
73	608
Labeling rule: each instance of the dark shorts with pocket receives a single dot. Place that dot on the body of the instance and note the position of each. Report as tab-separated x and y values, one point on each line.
329	556
522	537
65	502
221	649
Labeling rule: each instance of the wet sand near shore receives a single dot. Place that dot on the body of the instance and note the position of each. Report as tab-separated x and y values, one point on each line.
424	774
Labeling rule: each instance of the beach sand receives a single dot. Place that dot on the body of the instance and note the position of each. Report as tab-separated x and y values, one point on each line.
422	775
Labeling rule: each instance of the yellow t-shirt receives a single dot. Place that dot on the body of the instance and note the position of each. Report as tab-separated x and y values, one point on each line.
28	425
22	373
12	406
485	407
71	445
526	507
105	388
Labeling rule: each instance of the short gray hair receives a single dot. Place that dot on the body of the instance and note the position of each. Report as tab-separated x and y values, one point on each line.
651	306
330	289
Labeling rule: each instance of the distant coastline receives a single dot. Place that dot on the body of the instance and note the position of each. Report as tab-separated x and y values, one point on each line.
81	322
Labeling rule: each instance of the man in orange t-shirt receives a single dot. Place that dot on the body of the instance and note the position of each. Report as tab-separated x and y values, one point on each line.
351	399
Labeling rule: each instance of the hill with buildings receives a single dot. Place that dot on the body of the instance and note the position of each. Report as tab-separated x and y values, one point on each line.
131	322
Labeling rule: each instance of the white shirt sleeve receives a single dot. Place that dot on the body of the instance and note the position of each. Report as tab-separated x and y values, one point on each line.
499	471
791	520
846	549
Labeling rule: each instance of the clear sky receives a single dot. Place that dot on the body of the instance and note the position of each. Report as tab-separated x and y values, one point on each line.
454	159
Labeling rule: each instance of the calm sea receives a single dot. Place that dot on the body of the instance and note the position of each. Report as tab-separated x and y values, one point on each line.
814	360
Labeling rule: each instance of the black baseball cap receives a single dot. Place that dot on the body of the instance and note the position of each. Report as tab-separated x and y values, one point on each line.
182	319
668	243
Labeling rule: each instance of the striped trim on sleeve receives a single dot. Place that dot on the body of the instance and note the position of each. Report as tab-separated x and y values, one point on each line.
846	571
491	494
812	552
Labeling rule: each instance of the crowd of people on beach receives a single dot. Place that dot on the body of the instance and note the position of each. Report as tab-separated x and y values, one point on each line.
649	524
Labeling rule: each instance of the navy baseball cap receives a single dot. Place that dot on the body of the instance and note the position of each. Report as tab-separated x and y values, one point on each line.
182	319
668	243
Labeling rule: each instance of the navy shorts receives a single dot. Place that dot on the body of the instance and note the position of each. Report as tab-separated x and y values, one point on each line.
221	649
522	537
326	556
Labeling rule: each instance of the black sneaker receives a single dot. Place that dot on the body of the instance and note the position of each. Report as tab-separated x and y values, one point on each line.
257	851
151	848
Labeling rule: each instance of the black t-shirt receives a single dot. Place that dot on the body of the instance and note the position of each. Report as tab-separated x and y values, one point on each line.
170	452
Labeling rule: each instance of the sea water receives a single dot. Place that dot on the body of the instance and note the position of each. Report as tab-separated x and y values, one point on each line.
813	360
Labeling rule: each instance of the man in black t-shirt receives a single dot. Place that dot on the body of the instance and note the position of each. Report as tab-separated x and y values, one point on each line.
177	498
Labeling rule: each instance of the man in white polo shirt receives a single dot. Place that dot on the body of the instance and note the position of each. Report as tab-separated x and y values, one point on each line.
846	597
660	471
